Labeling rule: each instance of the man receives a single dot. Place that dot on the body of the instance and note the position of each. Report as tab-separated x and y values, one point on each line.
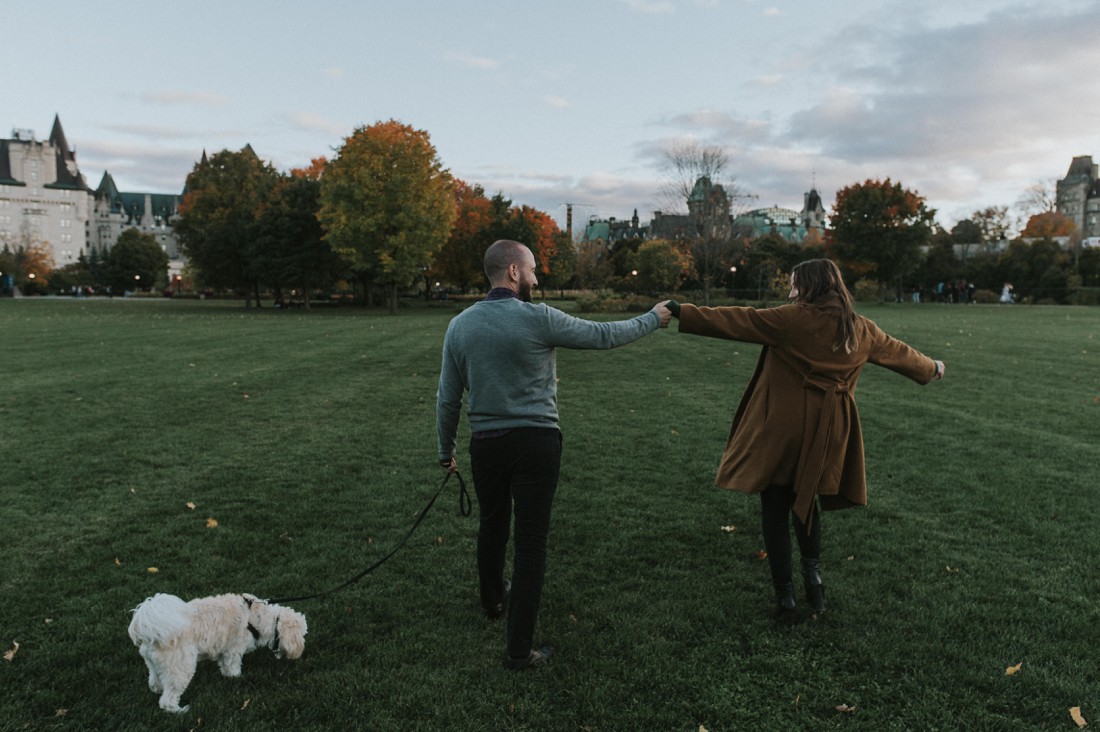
501	350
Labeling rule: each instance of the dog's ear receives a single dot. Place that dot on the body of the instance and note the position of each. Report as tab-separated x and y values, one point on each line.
292	632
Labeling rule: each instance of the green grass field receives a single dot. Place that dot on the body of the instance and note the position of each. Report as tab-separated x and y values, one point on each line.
309	438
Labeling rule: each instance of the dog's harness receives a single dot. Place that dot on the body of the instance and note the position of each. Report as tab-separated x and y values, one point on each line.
464	507
274	645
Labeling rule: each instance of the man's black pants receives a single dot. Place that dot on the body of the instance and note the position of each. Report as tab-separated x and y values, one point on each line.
515	472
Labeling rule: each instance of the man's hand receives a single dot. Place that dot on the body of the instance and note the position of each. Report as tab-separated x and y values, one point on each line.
451	466
662	310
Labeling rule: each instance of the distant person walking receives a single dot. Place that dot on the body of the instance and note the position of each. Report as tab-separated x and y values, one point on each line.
502	352
1006	294
796	437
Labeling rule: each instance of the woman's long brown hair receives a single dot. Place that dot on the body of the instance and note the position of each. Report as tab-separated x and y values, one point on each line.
818	282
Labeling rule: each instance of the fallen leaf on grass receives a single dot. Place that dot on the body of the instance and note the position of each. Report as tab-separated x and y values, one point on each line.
191	505
952	570
1011	670
9	655
152	570
731	527
61	712
439	540
761	554
702	728
117	563
1075	714
211	523
846	709
246	703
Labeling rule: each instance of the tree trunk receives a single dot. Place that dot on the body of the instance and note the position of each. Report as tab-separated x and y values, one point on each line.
391	297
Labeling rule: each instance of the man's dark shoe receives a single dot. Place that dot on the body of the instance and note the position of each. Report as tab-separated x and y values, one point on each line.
495	611
537	657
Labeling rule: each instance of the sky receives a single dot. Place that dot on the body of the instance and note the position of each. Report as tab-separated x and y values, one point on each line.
969	103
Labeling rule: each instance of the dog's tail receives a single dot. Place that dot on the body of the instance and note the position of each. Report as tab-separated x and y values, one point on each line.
159	619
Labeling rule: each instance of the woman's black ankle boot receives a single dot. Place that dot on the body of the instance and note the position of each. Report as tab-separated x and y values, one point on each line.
815	588
784	598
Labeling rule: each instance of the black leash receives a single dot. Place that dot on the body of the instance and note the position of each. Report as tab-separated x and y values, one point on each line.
464	507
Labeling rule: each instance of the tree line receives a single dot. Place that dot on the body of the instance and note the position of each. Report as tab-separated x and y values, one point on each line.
384	216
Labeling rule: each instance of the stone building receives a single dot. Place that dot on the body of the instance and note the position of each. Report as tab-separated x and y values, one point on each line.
709	202
44	198
113	212
1078	196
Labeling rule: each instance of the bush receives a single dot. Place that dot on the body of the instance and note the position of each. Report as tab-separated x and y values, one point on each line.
866	290
1085	296
598	303
986	297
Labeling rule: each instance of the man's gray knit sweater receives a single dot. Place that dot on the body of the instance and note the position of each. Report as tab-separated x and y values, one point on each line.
502	352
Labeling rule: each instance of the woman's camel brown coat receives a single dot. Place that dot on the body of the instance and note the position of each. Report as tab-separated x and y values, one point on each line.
797	423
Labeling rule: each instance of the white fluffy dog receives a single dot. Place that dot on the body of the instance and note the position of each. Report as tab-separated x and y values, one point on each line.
173	636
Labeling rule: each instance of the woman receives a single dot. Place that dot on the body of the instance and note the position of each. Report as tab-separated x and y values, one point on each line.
796	433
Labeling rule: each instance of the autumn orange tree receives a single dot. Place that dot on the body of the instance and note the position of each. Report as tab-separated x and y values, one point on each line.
459	261
387	205
31	264
879	227
1048	225
540	232
481	220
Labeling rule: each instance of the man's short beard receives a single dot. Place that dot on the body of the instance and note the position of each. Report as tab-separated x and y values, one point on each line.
524	291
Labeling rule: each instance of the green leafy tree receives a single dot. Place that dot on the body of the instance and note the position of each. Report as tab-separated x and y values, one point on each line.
1038	270
878	229
562	263
662	266
594	268
387	204
1088	266
135	262
290	247
941	263
216	227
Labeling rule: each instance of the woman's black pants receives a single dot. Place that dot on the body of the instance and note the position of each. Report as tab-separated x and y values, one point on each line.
776	503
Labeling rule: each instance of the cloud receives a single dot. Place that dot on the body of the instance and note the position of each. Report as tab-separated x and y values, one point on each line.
309	122
721	126
960	111
333	72
185	98
482	63
772	12
155	132
651	7
600	194
556	102
138	168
